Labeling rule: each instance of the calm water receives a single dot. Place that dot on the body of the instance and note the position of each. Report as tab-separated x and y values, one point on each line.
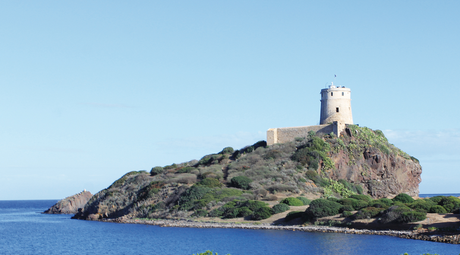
23	230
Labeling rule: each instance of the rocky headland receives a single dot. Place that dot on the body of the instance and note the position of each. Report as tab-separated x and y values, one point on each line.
360	161
70	205
357	176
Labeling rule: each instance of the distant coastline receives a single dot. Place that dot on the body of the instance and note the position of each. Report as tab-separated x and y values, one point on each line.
441	194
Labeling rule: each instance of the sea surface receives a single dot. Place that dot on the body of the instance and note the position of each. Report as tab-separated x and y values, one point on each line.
24	230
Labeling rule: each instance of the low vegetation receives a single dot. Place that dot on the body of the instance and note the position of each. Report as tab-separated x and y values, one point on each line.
254	210
238	183
384	209
279	208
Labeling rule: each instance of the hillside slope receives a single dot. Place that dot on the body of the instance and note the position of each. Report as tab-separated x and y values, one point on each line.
359	161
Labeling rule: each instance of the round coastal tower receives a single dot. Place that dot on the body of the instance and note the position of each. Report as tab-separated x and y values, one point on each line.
336	105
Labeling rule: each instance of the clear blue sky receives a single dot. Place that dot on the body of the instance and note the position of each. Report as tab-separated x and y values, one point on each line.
93	89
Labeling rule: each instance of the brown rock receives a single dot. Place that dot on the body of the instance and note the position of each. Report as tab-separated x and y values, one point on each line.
93	216
380	174
70	205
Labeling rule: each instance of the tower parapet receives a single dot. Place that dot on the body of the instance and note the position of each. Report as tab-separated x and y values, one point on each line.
336	105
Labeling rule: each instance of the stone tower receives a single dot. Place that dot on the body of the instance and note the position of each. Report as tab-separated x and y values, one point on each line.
336	105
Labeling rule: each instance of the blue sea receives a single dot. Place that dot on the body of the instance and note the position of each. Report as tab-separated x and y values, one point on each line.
24	230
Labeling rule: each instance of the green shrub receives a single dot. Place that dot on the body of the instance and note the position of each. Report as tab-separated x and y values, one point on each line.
378	204
322	208
229	210
150	190
209	160
279	208
292	201
336	187
272	154
244	211
313	163
401	214
231	213
422	205
189	197
219	194
312	175
451	204
333	199
354	203
236	154
241	182
227	150
437	209
393	213
235	208
260	144
348	201
293	215
355	188
367	213
346	208
360	204
403	198
365	198
312	152
159	206
436	199
173	166
346	214
210	182
186	169
305	201
412	216
254	205
398	203
386	201
323	182
262	213
200	213
216	213
156	170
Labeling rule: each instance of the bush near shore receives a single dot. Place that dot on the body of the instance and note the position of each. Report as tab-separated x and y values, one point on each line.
401	209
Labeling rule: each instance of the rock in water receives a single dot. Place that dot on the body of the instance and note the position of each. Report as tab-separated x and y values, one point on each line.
70	205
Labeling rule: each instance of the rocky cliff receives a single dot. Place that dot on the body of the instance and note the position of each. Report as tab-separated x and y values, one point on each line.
70	205
359	161
382	169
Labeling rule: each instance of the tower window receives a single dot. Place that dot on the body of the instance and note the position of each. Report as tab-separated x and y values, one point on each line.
343	93
332	93
337	109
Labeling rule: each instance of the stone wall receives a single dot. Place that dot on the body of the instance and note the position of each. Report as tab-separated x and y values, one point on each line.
283	135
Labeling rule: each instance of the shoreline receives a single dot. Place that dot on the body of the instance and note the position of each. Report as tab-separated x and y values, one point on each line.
452	239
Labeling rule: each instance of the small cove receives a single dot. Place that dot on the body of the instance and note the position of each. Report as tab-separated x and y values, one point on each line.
25	231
